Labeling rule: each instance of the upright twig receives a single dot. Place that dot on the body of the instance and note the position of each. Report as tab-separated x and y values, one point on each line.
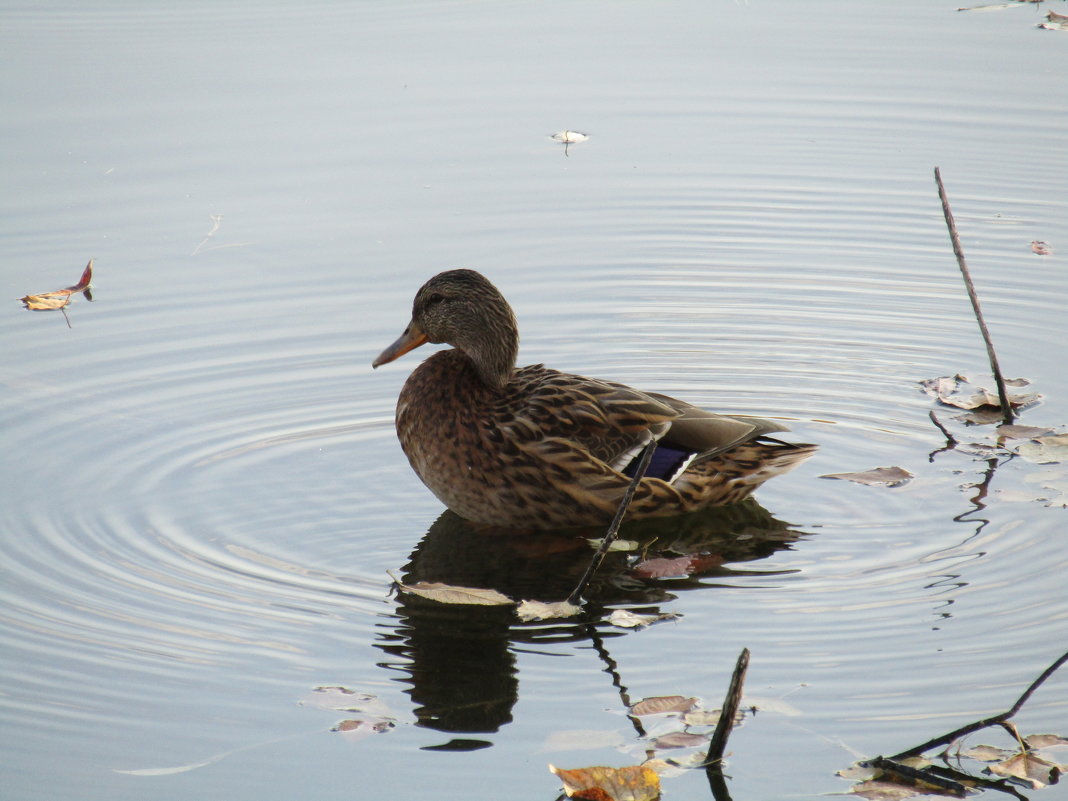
958	251
613	530
731	701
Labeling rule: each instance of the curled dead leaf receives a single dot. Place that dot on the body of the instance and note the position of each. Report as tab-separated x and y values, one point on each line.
877	476
632	783
58	298
1041	248
529	611
957	390
1028	768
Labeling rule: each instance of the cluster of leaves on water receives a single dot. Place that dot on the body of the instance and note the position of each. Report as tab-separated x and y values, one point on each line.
978	407
1037	762
676	731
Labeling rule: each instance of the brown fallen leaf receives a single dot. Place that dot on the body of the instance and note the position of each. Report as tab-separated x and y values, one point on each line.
659	704
679	739
1029	768
677	567
1045	740
1041	248
57	299
1014	431
877	476
632	783
451	594
1045	450
958	391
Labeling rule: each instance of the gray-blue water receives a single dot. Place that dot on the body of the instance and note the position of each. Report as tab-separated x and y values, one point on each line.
202	492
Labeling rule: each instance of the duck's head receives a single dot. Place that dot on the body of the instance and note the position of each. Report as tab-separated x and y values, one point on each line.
463	309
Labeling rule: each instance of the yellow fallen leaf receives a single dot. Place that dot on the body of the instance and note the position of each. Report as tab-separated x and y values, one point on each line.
451	594
632	783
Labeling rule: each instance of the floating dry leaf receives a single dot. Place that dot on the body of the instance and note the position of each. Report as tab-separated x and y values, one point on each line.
676	567
679	739
987	753
570	137
1041	248
660	704
1045	450
1056	480
1014	431
1029	768
632	783
957	391
877	476
358	729
57	299
877	790
615	545
529	611
1045	741
451	594
708	717
625	619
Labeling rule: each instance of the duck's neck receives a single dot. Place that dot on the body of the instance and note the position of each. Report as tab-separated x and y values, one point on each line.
494	357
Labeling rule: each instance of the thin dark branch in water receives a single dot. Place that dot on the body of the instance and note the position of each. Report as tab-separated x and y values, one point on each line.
613	530
958	251
951	441
995	720
917	777
731	701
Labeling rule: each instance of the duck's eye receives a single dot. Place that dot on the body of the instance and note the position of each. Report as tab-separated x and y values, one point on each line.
437	297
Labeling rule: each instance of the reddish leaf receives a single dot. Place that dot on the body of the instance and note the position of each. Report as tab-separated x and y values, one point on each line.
57	299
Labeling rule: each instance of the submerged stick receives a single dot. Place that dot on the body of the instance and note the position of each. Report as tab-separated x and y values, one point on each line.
958	251
995	720
728	713
613	530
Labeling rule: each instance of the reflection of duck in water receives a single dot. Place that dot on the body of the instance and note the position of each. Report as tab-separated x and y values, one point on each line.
536	448
460	659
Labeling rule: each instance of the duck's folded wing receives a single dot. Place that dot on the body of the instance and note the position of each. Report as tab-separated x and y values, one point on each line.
612	422
707	433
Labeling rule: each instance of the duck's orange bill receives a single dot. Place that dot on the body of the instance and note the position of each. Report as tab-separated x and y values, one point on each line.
411	339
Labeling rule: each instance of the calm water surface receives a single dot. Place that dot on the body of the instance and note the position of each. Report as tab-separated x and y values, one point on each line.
202	493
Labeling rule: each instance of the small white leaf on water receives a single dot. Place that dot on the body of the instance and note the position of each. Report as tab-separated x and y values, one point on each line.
625	619
569	137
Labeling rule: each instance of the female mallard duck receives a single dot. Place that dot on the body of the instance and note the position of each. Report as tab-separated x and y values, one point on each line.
532	447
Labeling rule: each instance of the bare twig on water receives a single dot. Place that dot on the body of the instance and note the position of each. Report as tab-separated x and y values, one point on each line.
951	441
1006	407
731	701
996	720
613	530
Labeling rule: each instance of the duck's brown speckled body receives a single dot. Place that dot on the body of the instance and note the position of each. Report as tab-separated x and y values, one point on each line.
532	447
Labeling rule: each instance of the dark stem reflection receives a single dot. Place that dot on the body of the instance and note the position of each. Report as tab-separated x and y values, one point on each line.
459	660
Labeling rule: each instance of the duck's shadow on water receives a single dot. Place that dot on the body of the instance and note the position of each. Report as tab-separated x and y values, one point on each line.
459	660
